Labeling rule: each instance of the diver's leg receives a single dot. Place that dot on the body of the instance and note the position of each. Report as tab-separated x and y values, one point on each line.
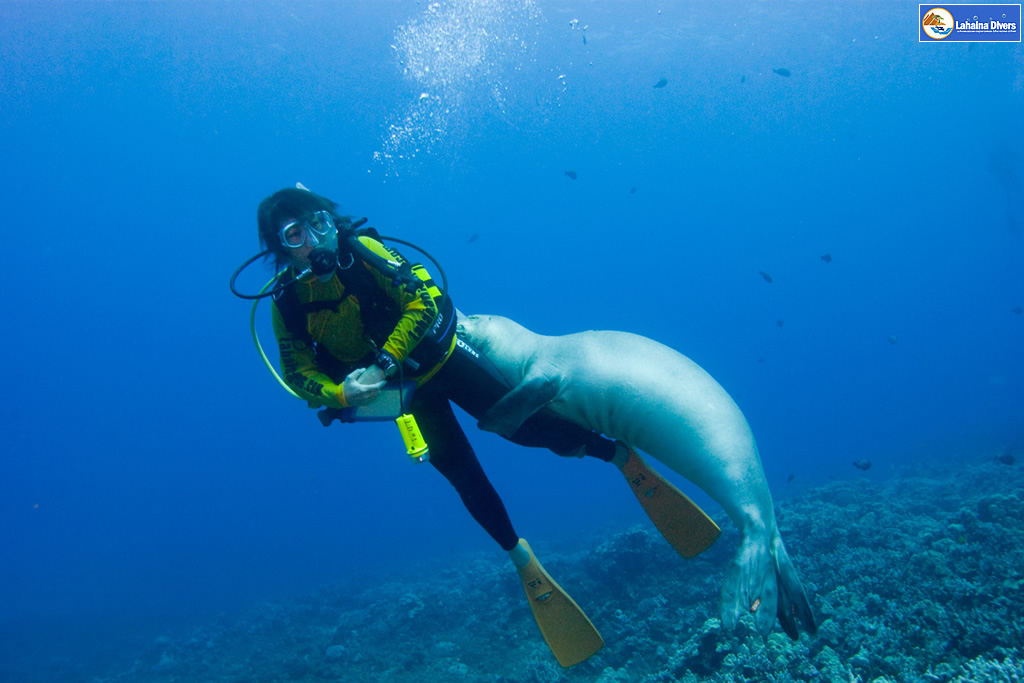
566	629
452	455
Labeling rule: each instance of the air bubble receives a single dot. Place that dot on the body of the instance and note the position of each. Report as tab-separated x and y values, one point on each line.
456	56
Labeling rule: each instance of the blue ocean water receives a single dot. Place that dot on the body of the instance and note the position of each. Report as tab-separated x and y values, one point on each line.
153	471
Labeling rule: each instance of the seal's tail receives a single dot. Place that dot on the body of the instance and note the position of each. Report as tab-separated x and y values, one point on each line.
762	581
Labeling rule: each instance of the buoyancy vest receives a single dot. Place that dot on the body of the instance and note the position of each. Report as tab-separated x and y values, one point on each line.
379	314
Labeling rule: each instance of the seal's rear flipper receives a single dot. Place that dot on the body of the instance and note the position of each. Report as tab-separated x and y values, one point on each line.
793	602
514	408
683	524
565	627
762	581
750	585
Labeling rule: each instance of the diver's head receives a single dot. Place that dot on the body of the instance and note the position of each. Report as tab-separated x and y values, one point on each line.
299	228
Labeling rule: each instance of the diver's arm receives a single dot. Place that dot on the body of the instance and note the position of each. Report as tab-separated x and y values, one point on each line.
419	307
298	366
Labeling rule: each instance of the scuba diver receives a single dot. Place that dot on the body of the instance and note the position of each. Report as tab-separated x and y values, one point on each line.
353	317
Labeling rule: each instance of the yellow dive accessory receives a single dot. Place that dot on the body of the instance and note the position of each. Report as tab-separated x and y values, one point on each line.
415	446
256	337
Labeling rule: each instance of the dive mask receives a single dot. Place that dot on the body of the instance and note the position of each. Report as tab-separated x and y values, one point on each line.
318	230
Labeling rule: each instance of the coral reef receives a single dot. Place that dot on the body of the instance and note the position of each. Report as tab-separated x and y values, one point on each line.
916	577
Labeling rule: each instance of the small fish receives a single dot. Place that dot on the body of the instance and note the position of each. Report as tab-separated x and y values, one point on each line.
862	464
571	174
743	79
1005	458
791	477
766	276
892	339
827	258
584	40
632	190
473	238
780	322
782	72
1018	310
662	83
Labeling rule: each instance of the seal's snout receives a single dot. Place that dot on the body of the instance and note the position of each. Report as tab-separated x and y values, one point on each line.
461	319
468	323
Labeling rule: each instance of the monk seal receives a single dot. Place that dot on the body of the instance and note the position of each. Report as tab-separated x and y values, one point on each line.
653	398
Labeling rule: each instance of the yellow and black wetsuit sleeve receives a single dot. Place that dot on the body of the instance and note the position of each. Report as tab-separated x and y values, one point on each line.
418	305
298	366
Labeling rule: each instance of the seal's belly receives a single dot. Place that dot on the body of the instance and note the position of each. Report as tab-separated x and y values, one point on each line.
616	418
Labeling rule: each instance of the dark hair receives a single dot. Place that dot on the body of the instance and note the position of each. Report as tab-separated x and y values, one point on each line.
288	204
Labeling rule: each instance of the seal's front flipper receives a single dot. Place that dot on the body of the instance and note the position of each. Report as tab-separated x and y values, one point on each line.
566	629
514	408
683	524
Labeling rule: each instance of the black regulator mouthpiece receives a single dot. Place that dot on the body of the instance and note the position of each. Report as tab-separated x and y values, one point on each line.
323	262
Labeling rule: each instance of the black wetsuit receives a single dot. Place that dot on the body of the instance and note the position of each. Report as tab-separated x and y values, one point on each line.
472	382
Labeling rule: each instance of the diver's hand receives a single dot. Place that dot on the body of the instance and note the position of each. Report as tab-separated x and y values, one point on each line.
372	375
362	385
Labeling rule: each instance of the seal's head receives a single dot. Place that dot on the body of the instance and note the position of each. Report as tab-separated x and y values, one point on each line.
473	329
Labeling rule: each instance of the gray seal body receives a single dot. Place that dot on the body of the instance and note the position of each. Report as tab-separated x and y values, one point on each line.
657	400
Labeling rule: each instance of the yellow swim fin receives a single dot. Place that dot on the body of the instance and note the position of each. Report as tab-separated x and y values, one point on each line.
566	629
683	524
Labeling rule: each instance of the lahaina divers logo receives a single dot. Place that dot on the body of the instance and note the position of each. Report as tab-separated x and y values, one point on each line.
937	23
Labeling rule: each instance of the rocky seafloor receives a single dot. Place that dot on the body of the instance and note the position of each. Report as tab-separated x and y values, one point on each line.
914	576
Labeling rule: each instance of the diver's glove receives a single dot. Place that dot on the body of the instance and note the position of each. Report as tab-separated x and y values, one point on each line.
362	385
